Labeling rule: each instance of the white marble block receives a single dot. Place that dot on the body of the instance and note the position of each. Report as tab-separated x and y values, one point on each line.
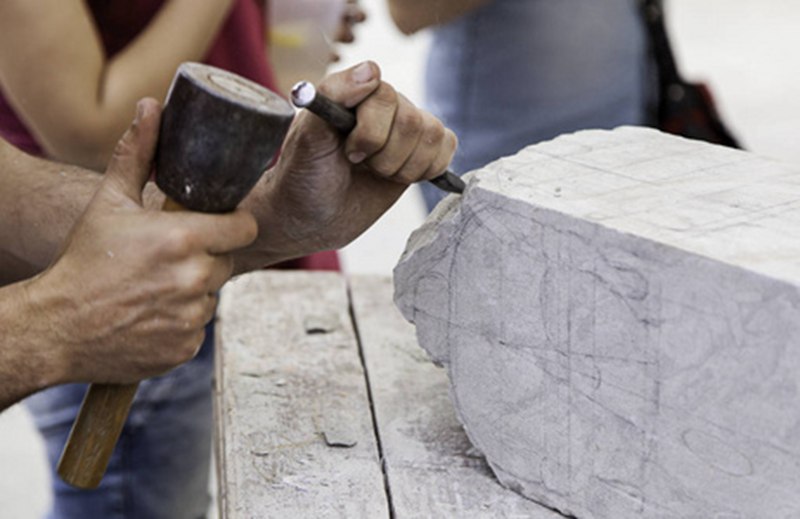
619	316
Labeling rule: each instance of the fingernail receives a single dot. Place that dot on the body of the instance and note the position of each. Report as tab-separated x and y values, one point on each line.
357	157
363	73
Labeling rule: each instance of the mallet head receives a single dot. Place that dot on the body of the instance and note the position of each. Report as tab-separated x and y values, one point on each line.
219	133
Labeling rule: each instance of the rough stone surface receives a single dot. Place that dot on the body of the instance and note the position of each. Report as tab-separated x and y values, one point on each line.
619	316
432	470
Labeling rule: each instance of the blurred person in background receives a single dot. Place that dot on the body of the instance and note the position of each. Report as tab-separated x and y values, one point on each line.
303	35
504	74
71	72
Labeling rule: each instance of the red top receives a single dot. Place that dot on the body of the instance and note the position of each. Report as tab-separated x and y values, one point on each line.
239	48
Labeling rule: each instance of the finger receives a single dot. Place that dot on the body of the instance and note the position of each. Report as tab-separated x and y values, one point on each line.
426	152
345	34
203	275
196	313
375	118
186	349
221	233
445	156
405	134
351	86
189	233
354	14
221	272
130	165
207	311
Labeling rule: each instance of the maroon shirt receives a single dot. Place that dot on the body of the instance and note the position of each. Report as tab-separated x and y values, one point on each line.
239	48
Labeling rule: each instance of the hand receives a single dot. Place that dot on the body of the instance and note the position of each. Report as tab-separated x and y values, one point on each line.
130	294
352	15
327	189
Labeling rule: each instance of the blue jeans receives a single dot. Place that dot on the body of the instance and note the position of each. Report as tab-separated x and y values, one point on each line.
517	72
160	467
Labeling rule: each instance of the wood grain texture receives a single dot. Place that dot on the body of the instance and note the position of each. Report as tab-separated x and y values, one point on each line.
619	315
94	434
289	383
432	469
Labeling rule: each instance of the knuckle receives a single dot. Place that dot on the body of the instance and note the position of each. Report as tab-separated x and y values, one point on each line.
198	280
367	142
408	122
406	176
452	139
188	348
195	316
385	95
324	87
382	167
452	147
249	228
179	241
416	168
435	132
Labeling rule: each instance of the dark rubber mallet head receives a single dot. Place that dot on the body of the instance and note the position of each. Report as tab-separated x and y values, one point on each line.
219	133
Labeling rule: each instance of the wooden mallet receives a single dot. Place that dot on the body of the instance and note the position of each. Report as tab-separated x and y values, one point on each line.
219	133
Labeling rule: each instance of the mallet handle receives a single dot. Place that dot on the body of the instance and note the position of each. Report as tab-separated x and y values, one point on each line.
95	433
98	425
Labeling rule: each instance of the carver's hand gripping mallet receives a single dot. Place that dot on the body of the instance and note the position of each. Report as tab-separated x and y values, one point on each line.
219	133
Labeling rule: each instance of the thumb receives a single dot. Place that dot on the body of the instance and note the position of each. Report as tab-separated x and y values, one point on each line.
351	86
131	163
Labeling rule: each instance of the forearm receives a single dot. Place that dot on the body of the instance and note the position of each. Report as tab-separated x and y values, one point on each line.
29	358
39	203
76	100
182	31
411	16
127	281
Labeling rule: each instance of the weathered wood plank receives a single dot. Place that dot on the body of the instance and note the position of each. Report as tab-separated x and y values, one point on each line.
432	469
290	385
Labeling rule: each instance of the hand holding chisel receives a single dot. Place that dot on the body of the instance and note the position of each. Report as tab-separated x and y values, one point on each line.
305	95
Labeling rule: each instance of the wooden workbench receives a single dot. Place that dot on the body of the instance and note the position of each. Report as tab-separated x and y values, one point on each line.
326	407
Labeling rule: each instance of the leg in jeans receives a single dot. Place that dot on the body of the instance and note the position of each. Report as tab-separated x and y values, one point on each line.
160	466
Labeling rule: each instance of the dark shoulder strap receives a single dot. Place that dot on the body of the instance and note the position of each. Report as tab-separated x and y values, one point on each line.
653	13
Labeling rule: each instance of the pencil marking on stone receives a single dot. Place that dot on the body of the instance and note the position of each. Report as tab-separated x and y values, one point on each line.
628	348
